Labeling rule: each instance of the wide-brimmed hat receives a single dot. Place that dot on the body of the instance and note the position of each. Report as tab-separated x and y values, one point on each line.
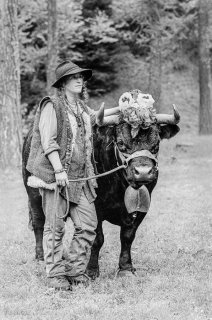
67	68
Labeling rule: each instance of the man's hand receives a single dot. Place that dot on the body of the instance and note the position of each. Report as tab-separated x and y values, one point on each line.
62	179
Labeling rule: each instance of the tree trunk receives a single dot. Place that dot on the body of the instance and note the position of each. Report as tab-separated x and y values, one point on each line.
10	111
205	110
155	72
52	44
155	63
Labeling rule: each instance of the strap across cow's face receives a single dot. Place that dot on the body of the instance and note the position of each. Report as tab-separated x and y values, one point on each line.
126	158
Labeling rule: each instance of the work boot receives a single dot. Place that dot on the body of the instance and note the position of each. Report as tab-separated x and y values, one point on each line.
59	283
83	279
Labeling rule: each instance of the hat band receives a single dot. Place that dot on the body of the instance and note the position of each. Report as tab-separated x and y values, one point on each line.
70	72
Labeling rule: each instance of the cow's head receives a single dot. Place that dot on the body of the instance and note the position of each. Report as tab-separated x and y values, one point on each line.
141	152
138	151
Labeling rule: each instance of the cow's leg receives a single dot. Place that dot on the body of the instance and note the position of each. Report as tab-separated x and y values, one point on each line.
127	235
93	264
38	220
39	244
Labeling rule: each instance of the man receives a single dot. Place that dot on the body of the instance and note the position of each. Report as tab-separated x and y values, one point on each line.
61	149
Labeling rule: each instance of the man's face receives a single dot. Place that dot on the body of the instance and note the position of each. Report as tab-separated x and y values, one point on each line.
74	83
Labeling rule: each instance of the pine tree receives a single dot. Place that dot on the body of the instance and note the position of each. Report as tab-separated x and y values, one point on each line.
205	110
52	43
155	61
10	113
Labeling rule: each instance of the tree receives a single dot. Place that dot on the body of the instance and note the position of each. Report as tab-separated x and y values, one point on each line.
205	110
52	43
10	112
99	45
155	61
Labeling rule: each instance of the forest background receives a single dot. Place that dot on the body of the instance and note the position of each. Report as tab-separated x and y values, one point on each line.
163	48
151	45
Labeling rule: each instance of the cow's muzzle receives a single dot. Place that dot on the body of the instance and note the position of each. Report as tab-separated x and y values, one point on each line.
140	174
144	174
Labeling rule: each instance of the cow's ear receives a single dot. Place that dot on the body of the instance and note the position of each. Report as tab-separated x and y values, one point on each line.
168	131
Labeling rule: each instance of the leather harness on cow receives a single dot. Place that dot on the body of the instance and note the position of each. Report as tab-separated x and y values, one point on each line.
126	158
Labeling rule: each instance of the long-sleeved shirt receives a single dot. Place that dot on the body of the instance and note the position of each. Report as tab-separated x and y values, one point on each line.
77	167
48	127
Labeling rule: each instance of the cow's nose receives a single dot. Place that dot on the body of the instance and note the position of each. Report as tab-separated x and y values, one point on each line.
142	173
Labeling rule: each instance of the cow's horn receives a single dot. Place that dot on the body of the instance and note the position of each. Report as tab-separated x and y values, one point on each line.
167	118
111	120
112	111
100	115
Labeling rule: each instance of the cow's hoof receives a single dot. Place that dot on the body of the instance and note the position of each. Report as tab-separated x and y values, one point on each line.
126	273
93	273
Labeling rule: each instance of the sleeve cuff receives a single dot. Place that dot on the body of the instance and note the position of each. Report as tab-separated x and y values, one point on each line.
51	149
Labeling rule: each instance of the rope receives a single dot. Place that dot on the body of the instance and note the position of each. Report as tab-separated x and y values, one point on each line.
56	198
55	215
123	166
124	159
57	189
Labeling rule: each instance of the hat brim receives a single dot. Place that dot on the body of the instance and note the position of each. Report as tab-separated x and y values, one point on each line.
87	74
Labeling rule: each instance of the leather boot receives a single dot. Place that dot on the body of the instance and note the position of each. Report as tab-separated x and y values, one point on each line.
59	283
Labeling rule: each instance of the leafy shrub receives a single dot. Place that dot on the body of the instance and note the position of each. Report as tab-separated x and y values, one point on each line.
87	41
92	42
91	7
137	23
92	33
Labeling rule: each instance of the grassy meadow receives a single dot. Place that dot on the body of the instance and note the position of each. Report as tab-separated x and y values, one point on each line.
172	250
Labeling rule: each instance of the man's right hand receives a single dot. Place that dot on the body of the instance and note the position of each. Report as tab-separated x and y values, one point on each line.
62	179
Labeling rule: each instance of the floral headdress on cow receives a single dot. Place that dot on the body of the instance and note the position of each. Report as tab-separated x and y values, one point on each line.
137	110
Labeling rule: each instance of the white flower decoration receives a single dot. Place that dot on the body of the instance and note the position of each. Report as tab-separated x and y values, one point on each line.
135	105
145	100
137	109
125	101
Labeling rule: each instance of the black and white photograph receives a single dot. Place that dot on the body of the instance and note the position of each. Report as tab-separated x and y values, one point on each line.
106	159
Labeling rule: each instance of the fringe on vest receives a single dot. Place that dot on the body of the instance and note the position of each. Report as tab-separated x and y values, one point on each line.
88	147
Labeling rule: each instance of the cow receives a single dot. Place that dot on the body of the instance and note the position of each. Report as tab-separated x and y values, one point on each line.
123	197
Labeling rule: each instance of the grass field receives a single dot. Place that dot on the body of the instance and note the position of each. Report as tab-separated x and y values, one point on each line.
172	250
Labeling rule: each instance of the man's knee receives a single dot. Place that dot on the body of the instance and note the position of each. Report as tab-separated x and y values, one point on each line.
86	228
84	217
59	228
93	221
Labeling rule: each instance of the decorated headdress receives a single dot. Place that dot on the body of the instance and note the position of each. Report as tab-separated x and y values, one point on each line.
136	108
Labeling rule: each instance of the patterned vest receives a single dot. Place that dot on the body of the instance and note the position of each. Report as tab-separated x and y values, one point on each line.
77	161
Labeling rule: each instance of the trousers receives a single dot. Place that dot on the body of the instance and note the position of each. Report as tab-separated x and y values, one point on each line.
84	219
